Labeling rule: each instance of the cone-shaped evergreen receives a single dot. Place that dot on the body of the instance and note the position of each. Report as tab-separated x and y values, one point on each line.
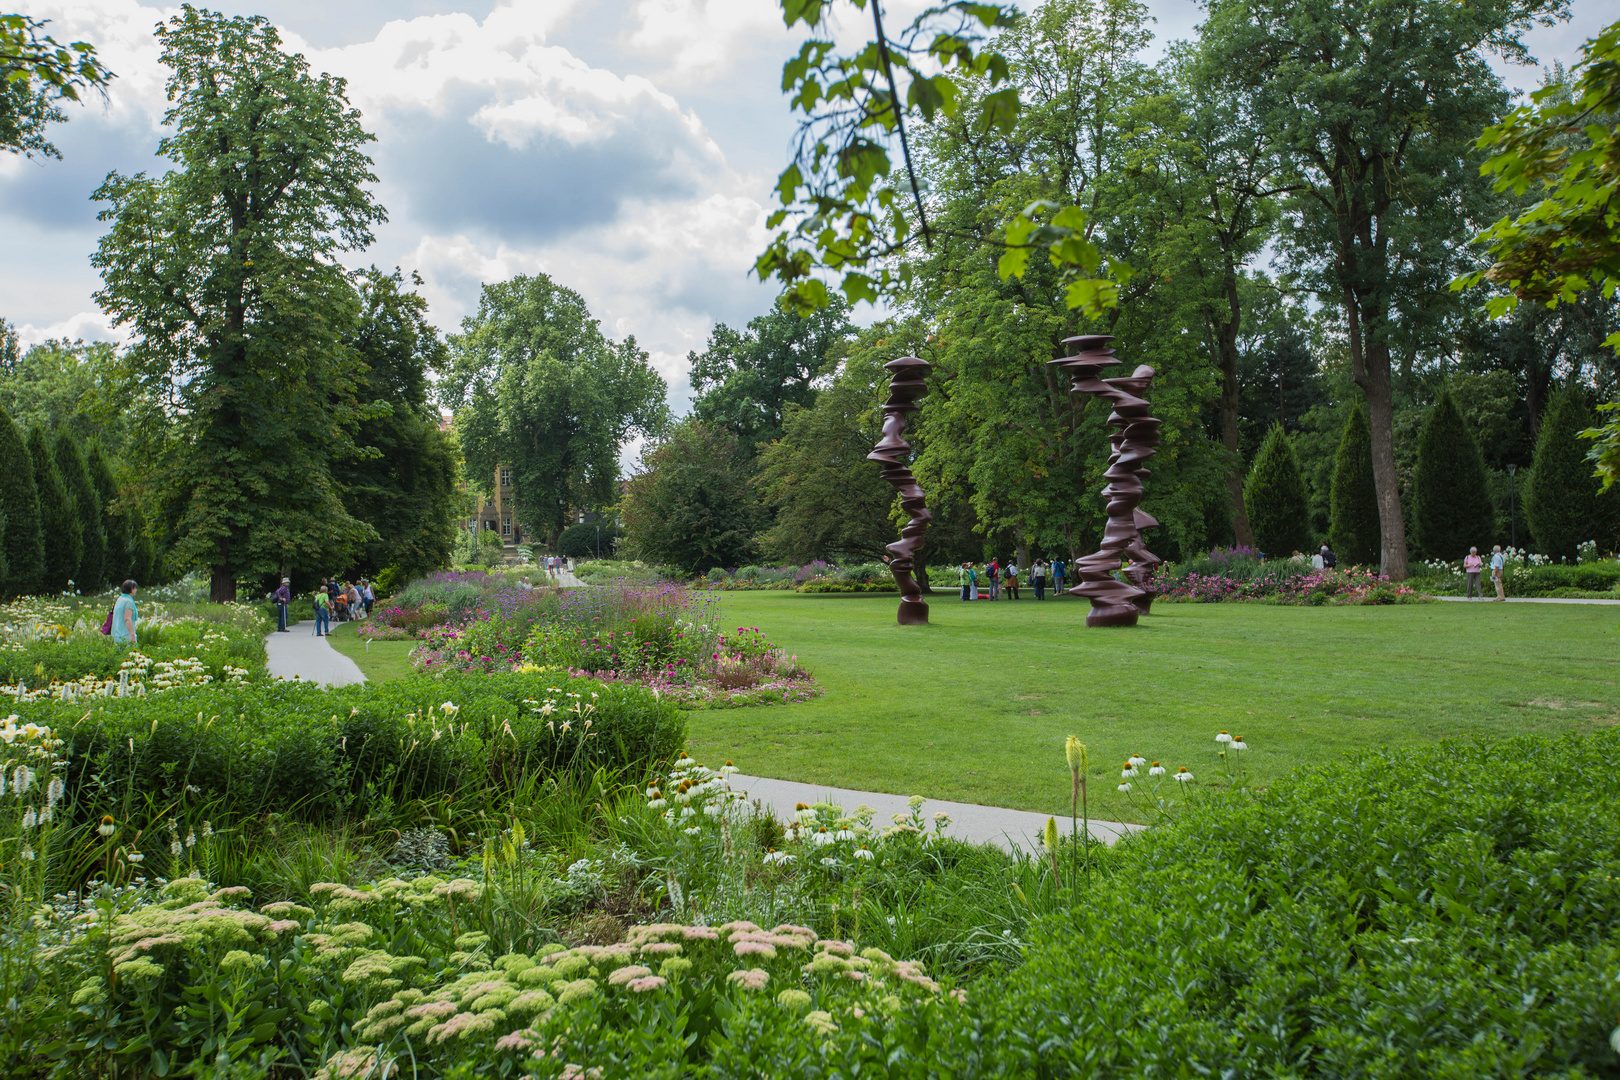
25	547
76	478
119	560
58	518
1353	505
1564	507
1279	511
1451	505
142	552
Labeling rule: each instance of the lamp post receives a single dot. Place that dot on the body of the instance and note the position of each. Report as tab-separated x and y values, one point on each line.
598	539
1513	518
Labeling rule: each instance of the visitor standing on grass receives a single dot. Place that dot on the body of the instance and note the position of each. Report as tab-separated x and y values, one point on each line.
973	582
993	574
1498	565
1009	578
962	579
1037	575
124	615
283	598
1472	565
323	612
1058	570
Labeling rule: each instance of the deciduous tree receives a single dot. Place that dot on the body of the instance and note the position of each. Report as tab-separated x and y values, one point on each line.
538	387
691	506
225	270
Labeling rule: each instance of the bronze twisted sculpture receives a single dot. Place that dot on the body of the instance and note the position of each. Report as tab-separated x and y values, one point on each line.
907	385
1115	602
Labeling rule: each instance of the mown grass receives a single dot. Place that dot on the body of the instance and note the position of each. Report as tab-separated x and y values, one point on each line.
976	705
383	660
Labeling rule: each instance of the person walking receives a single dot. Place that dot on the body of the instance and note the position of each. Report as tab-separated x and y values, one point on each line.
1009	577
1498	571
1058	570
368	596
1037	575
356	610
1472	565
323	612
125	617
993	574
283	598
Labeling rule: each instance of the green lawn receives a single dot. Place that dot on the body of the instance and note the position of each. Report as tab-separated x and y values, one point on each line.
383	660
976	706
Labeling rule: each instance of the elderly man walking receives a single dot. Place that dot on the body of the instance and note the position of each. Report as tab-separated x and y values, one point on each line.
283	598
1498	570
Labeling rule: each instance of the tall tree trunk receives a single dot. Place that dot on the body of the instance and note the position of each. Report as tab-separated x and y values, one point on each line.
222	582
1369	365
1226	348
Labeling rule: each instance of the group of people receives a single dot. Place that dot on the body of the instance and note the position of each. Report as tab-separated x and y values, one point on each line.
1473	564
1001	580
334	599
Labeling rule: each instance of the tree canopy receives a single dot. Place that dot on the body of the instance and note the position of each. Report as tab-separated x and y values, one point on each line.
538	388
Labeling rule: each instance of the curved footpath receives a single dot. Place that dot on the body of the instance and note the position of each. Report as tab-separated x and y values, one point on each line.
299	652
310	658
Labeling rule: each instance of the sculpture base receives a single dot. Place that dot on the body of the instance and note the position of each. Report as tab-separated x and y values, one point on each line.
913	613
1144	603
1112	615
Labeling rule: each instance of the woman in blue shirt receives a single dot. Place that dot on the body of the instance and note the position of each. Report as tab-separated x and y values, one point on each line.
125	616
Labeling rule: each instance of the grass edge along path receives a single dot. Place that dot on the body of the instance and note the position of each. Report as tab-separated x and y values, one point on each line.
380	661
975	707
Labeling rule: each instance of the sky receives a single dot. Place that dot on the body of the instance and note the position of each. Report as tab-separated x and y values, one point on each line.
627	148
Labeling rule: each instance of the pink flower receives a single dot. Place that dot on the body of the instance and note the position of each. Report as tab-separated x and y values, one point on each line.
646	983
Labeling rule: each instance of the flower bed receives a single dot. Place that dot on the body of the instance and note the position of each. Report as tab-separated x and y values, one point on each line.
1284	582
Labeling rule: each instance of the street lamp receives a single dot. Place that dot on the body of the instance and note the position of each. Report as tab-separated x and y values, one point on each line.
1513	520
598	539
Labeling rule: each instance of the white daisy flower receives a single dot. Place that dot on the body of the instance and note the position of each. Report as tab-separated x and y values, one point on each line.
1156	769
1182	775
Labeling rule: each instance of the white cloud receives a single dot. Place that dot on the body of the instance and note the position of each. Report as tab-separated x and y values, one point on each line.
700	41
85	325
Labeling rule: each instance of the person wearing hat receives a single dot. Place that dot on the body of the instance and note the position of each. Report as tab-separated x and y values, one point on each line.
283	598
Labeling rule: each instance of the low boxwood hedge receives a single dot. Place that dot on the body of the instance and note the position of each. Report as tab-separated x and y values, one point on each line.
1588	577
294	748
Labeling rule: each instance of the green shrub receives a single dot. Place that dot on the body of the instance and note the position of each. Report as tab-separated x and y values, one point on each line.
1354	528
293	748
1563	503
1452	509
1274	495
1590	577
588	540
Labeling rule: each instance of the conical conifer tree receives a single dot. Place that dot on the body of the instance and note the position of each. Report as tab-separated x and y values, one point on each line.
58	518
119	560
25	547
1563	504
1279	511
76	478
1451	505
1353	504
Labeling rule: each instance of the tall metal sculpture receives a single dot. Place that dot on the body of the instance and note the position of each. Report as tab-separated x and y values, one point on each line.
907	386
1115	602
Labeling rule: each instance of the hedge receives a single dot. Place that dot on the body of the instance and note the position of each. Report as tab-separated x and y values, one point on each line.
294	748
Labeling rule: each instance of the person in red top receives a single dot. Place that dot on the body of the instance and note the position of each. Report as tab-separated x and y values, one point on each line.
1472	566
993	572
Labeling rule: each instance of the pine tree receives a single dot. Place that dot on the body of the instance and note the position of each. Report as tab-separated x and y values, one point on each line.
58	517
119	559
76	478
1563	504
1353	531
1451	505
25	547
1279	510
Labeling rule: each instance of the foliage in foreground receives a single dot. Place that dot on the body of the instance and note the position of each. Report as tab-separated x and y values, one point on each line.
1443	912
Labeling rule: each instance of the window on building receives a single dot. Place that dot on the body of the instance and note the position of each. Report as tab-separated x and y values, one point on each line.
488	524
506	526
506	477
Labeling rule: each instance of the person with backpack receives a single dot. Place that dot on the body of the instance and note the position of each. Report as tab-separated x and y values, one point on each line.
1009	577
993	572
1058	570
323	613
1329	560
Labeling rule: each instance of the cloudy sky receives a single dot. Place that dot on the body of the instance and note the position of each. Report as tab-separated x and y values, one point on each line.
625	147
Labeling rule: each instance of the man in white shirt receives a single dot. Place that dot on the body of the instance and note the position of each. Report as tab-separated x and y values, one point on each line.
1498	571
